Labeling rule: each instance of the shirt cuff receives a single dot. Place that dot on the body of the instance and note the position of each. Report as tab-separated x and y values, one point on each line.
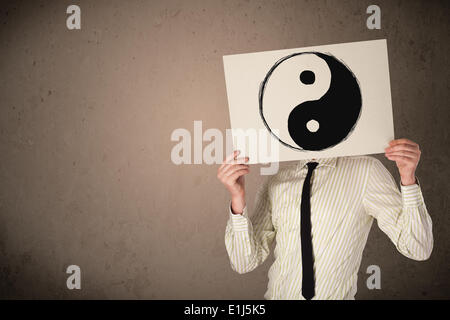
412	195
239	222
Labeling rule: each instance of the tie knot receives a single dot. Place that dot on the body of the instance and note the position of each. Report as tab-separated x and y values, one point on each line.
312	165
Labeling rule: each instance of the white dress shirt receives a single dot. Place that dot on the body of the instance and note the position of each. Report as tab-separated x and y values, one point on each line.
347	194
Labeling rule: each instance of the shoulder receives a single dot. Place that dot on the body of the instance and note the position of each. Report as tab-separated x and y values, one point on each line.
286	173
358	161
366	166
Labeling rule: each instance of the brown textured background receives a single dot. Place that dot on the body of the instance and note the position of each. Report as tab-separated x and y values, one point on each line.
86	118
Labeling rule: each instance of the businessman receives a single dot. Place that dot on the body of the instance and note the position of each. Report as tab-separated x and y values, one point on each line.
320	212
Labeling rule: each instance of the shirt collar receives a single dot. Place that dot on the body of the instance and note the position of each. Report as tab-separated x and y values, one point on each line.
329	162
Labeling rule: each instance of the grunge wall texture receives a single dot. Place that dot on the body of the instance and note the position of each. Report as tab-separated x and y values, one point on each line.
86	117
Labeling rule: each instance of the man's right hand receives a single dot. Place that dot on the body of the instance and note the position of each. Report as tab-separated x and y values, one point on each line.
231	174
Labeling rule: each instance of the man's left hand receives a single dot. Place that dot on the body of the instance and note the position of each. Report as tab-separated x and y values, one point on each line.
406	155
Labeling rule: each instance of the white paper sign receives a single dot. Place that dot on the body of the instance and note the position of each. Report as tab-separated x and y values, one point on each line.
314	102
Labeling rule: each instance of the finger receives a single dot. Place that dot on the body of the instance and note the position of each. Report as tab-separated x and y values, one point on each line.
399	158
403	147
239	160
231	156
225	167
234	168
404	141
232	163
238	173
403	153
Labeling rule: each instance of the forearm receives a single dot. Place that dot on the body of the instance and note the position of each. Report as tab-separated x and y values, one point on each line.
238	204
402	216
240	243
415	236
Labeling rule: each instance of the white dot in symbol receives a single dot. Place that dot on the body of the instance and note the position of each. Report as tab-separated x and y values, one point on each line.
312	125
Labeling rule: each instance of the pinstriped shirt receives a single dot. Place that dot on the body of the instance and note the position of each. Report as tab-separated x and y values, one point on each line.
347	194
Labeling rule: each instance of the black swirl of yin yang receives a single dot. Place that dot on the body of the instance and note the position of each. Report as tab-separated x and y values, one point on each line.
310	101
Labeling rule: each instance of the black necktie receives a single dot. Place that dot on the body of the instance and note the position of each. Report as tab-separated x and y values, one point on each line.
305	231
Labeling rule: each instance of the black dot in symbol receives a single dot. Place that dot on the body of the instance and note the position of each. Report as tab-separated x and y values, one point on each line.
307	77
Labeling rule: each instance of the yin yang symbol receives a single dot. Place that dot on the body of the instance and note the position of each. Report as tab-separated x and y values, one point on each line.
310	101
